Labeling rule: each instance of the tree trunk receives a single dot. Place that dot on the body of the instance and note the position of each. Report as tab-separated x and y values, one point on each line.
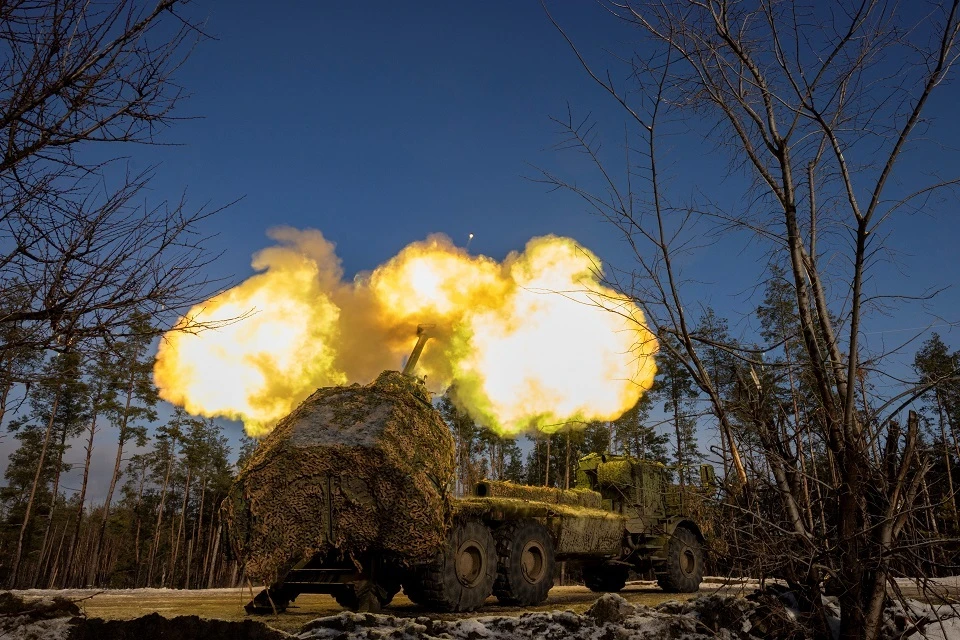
56	568
198	528
948	463
163	495
546	474
213	562
681	471
186	580
18	554
183	517
41	569
139	521
5	387
75	537
121	440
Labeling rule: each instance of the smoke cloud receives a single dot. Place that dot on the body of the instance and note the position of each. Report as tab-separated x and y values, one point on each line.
532	342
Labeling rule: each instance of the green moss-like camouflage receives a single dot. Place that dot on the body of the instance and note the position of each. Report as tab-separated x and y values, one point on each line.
380	454
573	497
576	530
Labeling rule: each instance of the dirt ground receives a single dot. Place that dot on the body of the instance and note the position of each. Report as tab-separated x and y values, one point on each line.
227	604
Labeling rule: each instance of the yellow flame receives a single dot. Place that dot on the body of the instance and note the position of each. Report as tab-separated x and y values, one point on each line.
437	281
560	349
533	342
257	368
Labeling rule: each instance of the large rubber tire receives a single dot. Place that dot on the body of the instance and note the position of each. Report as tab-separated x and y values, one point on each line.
682	571
605	578
366	597
461	577
525	563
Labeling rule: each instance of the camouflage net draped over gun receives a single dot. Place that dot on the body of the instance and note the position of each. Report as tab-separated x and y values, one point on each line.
378	459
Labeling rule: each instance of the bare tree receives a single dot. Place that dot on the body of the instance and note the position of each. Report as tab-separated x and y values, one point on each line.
79	249
816	106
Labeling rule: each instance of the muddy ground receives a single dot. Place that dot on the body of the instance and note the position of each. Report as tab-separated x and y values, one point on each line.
227	604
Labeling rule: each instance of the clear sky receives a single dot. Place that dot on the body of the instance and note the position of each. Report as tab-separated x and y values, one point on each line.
382	122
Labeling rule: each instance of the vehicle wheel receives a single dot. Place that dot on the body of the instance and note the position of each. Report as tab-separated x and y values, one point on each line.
682	572
525	562
605	578
461	577
366	596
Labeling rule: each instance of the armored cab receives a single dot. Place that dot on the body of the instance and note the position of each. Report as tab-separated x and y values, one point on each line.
660	528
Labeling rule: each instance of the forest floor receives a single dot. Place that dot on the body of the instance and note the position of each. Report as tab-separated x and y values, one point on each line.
227	604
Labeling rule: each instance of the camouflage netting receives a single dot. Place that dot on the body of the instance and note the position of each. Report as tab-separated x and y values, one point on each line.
572	497
381	452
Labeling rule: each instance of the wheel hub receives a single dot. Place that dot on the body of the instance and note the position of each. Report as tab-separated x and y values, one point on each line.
470	563
688	561
533	562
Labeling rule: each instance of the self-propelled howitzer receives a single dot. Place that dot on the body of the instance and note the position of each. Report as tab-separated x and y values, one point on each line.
350	495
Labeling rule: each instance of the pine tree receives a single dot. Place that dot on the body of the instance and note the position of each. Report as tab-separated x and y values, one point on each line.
164	457
514	471
247	446
536	464
675	389
58	384
635	438
20	476
465	436
101	385
72	417
137	397
134	492
790	394
936	366
716	350
17	365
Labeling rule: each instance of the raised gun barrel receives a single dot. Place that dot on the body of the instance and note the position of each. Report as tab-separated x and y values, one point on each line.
424	333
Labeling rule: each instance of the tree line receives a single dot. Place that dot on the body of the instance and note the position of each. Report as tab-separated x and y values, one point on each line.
92	266
157	524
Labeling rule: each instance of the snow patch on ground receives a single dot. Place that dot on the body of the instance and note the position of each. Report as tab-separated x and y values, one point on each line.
768	614
932	622
610	618
712	617
75	594
55	629
46	617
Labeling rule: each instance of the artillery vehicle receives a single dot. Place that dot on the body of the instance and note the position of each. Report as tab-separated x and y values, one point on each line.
361	507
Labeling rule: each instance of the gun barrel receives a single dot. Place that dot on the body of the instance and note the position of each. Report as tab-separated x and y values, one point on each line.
424	333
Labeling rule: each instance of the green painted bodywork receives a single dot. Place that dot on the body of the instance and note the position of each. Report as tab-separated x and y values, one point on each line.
620	509
576	530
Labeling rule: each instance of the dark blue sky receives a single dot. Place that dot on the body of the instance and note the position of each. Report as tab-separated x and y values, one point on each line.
382	122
